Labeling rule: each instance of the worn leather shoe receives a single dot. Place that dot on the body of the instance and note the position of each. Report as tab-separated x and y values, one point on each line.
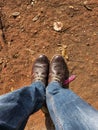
40	69
57	69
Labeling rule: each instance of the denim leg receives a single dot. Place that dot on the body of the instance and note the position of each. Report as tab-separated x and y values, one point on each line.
15	107
68	111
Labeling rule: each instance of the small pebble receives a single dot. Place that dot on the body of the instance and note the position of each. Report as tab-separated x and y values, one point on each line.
94	34
15	14
15	56
44	47
32	3
71	7
87	44
35	18
85	2
28	76
57	26
29	6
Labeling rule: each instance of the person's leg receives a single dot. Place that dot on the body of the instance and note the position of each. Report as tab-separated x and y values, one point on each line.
67	110
15	107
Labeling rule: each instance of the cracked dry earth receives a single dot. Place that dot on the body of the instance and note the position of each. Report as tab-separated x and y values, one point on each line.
27	30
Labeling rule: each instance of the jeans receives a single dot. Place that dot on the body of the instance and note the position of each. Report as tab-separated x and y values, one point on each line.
67	110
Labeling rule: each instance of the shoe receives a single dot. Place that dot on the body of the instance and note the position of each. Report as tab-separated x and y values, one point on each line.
58	69
40	69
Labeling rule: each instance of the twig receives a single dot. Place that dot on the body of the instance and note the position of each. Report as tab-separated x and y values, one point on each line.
2	35
87	7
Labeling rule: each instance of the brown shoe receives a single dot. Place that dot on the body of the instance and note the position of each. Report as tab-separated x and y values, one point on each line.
58	69
40	69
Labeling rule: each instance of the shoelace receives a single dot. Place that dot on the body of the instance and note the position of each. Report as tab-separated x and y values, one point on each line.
56	77
39	77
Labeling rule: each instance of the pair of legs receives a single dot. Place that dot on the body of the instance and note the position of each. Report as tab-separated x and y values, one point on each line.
67	110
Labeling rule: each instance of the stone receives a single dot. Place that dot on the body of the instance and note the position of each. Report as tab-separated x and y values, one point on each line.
15	14
35	18
57	26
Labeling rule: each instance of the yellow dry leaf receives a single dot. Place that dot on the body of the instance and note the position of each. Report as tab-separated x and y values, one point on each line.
64	53
12	89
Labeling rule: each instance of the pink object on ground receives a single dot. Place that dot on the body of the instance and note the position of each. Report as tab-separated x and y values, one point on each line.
70	79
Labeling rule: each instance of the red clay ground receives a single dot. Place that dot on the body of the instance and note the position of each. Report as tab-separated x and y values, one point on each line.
29	32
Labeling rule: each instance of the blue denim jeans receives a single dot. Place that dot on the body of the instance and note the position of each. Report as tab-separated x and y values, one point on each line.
17	106
67	110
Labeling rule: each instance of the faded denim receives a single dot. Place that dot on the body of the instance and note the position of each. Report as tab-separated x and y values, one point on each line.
67	110
15	107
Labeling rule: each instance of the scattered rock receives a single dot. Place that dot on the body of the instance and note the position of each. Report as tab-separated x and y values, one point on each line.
12	80
15	56
3	62
87	44
42	10
85	2
33	2
36	18
15	14
44	47
71	7
28	76
9	44
29	6
94	34
35	32
57	26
